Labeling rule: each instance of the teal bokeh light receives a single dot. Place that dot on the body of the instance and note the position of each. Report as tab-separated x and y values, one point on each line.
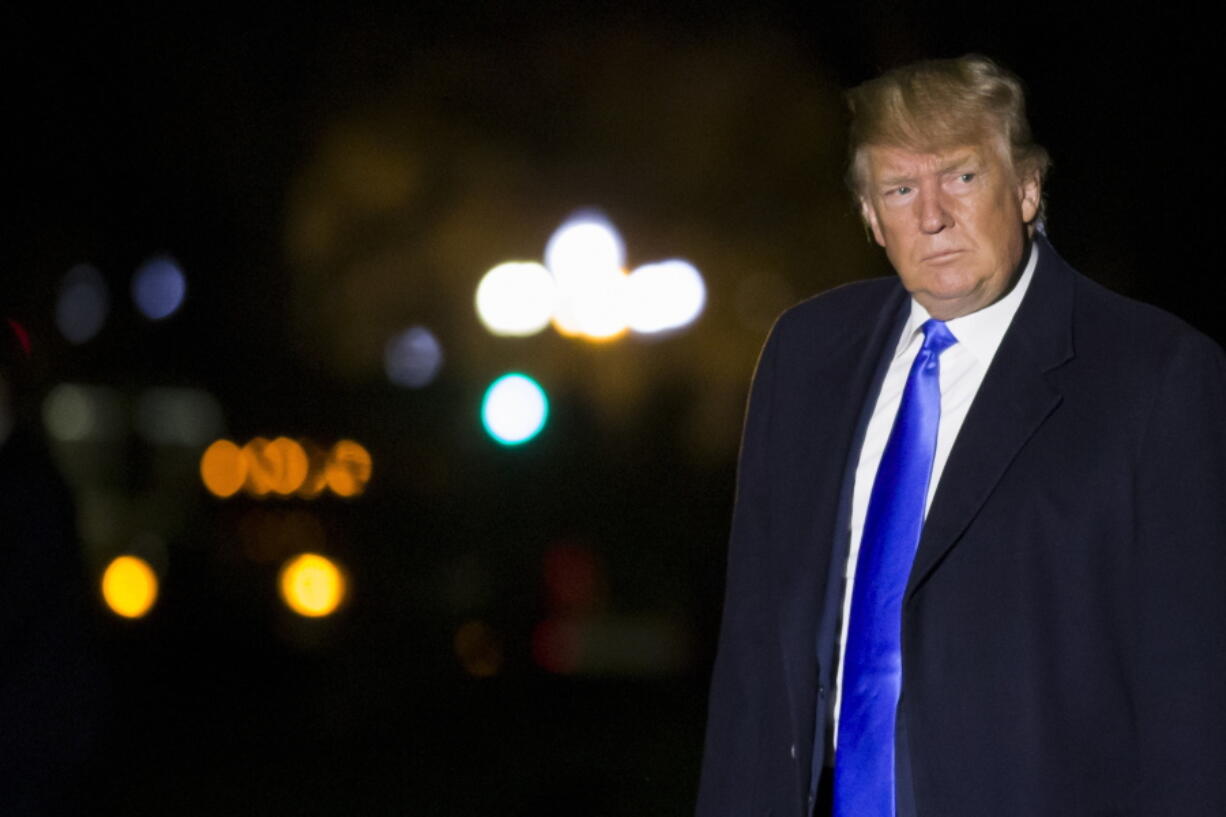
514	409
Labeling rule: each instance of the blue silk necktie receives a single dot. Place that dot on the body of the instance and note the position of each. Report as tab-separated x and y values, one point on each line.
872	668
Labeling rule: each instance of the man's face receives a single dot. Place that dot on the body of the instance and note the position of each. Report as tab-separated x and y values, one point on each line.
952	222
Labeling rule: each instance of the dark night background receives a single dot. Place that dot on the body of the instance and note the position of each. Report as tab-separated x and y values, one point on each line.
328	177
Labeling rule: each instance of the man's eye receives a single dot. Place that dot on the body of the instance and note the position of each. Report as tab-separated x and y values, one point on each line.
903	190
966	178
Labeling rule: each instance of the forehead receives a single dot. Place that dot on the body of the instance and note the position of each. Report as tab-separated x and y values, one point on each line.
885	163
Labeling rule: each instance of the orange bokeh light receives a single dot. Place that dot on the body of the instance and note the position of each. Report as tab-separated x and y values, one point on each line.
285	467
289	465
316	479
274	466
348	469
258	483
223	468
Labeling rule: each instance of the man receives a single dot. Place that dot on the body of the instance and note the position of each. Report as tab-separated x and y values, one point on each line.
978	555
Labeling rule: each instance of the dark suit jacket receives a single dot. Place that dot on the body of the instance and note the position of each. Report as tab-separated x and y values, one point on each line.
1064	627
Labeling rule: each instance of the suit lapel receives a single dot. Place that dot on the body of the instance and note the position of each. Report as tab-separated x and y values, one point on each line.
814	552
1012	403
825	444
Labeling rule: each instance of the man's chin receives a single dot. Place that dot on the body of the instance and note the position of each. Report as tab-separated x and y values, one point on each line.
945	305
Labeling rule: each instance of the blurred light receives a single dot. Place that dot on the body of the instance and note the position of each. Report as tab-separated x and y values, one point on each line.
285	467
75	413
593	305
311	585
478	649
516	299
348	468
413	358
258	482
274	466
515	409
585	256
585	244
21	334
316	477
663	296
288	465
83	303
158	287
170	416
129	586
223	468
69	413
572	578
557	644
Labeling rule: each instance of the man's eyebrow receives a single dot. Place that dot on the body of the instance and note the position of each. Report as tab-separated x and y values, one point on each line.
896	179
960	163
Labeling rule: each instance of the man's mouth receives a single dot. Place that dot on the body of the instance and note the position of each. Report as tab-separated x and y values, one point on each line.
942	256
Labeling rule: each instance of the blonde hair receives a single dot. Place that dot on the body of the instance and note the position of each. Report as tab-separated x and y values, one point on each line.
935	105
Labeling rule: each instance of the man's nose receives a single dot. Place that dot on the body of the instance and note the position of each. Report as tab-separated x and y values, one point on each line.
934	215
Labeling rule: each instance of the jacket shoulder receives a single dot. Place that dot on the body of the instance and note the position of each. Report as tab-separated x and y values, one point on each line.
1131	329
856	303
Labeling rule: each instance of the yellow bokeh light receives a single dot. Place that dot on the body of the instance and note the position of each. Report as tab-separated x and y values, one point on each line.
311	585
129	586
223	468
348	469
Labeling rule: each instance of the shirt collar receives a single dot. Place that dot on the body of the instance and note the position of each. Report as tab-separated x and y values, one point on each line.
979	333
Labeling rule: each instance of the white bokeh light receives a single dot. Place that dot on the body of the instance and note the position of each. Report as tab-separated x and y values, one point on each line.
585	244
515	409
516	299
593	306
664	296
585	291
586	256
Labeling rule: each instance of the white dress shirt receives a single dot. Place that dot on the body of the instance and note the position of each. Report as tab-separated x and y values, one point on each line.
963	367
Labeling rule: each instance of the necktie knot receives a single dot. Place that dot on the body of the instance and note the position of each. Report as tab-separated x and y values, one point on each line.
937	337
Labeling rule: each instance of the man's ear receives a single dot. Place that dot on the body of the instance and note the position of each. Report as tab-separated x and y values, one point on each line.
870	220
1031	192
